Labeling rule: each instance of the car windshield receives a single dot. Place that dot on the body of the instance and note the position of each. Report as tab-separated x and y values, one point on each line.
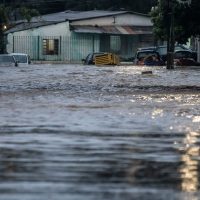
21	58
163	50
6	59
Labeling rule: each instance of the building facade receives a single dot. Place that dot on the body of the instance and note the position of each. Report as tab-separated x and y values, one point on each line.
69	36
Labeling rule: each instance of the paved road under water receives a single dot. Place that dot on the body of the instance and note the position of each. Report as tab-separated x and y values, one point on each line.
85	132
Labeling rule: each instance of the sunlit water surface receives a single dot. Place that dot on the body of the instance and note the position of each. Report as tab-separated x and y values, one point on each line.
84	132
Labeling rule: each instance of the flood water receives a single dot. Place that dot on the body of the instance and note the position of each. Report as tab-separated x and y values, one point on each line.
73	132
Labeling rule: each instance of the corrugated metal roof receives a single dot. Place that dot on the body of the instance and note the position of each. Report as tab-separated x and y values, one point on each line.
70	16
79	15
119	30
26	26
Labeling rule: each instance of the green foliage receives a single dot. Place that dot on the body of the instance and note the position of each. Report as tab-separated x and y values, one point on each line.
28	13
4	18
6	15
51	6
160	25
186	19
143	6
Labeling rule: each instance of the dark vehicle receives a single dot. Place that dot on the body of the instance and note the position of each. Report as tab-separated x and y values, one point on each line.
184	58
162	50
148	57
89	60
183	54
7	60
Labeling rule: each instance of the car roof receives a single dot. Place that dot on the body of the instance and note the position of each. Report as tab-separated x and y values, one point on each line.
6	55
20	54
176	46
146	48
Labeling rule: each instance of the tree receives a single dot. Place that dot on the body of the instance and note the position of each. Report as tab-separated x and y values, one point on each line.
28	13
186	19
4	18
7	14
50	6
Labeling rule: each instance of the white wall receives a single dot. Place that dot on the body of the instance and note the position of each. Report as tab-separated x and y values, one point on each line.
49	30
59	29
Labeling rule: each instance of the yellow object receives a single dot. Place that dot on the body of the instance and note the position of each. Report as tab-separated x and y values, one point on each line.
106	59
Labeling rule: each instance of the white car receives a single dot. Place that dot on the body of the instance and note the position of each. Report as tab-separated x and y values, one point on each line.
21	58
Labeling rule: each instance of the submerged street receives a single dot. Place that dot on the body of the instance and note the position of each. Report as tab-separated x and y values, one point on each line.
84	132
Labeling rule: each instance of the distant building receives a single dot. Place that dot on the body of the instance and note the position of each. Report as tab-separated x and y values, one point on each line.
71	35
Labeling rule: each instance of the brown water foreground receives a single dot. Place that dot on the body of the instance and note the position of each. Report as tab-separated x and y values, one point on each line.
84	132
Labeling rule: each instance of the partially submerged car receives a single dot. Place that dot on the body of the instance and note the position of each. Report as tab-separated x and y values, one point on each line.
7	60
148	57
184	58
22	58
162	50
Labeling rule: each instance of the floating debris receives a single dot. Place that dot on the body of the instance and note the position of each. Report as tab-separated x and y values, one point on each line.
147	72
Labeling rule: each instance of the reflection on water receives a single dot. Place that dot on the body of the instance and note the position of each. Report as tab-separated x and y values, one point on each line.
84	165
80	132
190	168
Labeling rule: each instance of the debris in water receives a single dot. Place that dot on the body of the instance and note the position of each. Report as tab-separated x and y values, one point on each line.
147	72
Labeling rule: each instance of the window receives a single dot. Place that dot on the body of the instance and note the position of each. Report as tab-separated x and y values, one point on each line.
50	46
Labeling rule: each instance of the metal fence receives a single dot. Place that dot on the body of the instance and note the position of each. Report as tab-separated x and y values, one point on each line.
75	47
